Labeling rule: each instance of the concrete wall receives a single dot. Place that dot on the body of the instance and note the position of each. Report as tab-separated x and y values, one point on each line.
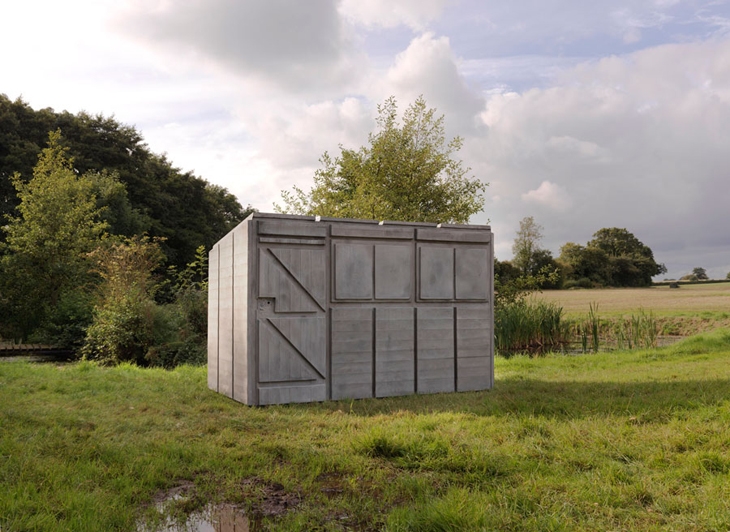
307	310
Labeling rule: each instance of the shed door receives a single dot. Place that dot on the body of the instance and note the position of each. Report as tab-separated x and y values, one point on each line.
292	324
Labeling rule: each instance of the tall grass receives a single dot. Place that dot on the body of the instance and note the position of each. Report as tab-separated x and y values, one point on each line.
532	326
637	331
589	330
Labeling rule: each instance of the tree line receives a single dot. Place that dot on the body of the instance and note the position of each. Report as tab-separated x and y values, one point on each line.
614	257
103	243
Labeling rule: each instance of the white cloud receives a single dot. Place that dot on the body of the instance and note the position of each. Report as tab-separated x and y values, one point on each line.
550	195
566	121
293	45
412	13
638	142
428	67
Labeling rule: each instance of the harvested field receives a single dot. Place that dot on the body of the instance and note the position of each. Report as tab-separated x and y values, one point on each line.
702	300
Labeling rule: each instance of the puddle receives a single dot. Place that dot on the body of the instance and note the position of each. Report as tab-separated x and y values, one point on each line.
212	518
224	517
266	500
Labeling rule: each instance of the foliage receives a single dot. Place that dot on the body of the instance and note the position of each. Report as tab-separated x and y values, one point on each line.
519	324
700	274
129	326
65	324
98	179
614	257
526	243
530	258
127	322
161	200
46	248
190	292
531	326
407	172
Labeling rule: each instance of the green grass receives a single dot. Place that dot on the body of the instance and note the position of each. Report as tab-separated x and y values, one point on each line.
609	441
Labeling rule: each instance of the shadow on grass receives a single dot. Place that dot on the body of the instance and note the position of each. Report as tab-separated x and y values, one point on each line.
560	400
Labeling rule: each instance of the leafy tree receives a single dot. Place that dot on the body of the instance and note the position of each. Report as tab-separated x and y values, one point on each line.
632	262
531	259
700	274
407	172
614	257
526	243
728	276
57	224
161	200
505	272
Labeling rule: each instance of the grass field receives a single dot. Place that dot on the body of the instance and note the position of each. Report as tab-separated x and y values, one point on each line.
611	441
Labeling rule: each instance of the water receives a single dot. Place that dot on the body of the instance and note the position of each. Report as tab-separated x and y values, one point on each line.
212	518
223	517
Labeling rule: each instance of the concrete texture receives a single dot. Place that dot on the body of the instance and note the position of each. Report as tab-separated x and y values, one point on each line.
308	310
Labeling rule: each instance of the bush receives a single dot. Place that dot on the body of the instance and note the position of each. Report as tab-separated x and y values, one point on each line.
583	282
126	330
66	323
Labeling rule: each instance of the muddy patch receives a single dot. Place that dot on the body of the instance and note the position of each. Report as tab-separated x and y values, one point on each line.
180	509
269	499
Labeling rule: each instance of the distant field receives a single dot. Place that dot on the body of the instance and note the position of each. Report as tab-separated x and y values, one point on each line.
703	300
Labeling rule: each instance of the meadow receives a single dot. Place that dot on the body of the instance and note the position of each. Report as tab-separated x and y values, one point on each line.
690	300
622	440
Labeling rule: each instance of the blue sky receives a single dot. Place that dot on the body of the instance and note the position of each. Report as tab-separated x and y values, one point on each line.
581	114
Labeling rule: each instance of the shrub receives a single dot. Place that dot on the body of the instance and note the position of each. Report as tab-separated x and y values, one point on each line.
126	322
126	330
583	282
66	323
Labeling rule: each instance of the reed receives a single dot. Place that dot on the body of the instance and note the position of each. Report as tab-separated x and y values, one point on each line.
637	331
529	326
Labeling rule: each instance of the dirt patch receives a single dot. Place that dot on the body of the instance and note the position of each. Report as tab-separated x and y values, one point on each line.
184	490
268	499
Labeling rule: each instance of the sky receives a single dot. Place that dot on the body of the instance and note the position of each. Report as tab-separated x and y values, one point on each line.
583	115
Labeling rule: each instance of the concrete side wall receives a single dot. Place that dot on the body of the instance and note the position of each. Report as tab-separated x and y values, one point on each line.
213	309
241	276
225	315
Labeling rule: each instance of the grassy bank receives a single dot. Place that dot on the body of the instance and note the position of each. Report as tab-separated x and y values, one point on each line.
610	441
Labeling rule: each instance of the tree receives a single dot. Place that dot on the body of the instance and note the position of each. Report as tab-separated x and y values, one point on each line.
526	244
585	266
163	201
407	172
531	259
58	223
630	262
700	274
614	257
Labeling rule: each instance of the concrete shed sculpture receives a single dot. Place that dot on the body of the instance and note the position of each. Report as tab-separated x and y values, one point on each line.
306	309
